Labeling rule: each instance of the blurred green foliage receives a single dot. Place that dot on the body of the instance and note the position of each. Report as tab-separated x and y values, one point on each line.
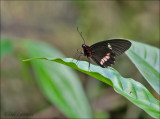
6	47
60	84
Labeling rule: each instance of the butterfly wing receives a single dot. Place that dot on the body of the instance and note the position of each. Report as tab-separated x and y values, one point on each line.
118	46
104	53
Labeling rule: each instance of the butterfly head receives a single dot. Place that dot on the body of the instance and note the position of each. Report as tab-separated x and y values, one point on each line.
85	50
83	46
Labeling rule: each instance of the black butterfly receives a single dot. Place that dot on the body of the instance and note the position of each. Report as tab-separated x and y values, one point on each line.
105	52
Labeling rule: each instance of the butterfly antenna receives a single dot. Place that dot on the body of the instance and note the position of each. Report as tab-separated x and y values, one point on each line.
80	33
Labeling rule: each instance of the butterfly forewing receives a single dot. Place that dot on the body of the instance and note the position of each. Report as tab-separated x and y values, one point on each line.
119	46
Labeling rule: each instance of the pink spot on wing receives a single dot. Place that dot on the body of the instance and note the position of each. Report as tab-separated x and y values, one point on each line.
108	54
107	57
103	60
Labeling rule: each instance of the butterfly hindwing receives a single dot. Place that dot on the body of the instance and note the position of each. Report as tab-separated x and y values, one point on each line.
103	56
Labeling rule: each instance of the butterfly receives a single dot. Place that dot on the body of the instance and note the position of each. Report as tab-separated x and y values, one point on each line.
104	53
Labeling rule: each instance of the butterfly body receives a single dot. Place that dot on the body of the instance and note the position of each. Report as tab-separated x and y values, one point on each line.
86	50
105	52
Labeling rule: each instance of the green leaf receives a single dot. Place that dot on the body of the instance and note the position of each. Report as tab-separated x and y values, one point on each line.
129	88
59	83
146	59
6	47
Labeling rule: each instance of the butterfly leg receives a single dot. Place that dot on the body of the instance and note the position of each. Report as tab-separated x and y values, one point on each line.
89	64
78	52
81	54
